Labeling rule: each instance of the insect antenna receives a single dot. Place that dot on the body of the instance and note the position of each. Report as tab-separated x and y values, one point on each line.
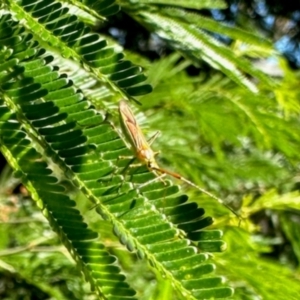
177	176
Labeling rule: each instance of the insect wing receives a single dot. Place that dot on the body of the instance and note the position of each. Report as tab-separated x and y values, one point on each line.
130	127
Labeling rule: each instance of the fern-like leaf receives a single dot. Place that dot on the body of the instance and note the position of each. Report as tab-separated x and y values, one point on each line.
155	220
187	33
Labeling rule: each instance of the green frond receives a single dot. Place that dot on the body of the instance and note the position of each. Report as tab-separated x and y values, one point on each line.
101	7
53	24
42	110
213	26
90	255
251	286
184	31
221	112
60	83
192	4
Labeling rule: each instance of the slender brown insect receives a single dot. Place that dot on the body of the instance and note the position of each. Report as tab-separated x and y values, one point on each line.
146	155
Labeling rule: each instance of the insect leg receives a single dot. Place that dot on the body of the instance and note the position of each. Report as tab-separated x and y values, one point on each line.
153	137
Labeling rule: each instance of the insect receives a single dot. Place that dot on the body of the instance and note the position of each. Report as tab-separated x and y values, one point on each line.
145	154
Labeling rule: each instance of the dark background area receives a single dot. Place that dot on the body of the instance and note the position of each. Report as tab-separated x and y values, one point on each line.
275	19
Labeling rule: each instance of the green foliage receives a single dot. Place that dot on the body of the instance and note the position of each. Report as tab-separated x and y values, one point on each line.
60	83
187	32
245	148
